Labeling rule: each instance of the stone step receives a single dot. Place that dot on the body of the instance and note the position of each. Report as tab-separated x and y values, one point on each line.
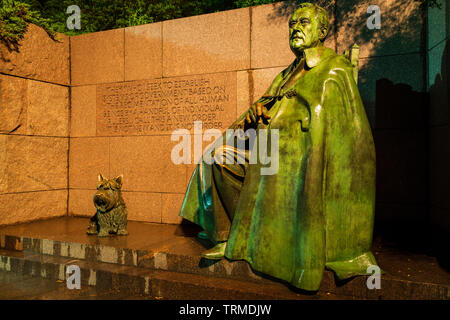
175	249
165	258
158	284
14	286
143	258
176	254
111	278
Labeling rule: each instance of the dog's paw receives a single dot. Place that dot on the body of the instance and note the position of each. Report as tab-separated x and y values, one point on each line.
103	233
122	232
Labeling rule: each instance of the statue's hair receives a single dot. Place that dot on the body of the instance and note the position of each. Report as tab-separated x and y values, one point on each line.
321	14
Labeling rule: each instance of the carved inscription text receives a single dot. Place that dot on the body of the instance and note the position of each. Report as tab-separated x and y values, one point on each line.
163	105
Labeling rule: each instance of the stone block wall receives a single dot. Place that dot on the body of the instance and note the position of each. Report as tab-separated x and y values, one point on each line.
245	49
438	50
392	83
146	55
237	53
34	128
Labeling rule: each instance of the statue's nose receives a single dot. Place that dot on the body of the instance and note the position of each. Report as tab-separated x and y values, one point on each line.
297	31
99	199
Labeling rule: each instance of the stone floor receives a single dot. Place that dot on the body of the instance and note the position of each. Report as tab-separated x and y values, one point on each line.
175	248
15	286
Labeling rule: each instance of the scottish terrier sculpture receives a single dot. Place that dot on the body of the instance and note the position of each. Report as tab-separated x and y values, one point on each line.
111	215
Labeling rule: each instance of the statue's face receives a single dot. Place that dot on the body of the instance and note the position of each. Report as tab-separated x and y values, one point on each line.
304	30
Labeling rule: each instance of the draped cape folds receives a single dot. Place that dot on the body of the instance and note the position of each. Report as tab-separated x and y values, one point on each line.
317	211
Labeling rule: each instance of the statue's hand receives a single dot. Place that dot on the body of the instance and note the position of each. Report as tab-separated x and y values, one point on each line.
256	114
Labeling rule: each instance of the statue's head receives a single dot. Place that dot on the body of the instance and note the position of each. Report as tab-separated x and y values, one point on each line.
308	27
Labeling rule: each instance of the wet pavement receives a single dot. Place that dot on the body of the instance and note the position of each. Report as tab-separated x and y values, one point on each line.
15	286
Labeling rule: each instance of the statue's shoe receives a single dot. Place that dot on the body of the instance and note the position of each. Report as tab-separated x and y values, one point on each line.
215	253
202	235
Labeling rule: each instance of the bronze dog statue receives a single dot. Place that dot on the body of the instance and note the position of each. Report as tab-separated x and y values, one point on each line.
111	215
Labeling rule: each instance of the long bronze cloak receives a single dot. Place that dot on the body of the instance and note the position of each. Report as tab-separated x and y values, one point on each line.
318	210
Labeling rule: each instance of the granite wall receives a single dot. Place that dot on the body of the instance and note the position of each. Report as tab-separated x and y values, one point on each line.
235	55
438	51
393	87
34	128
241	50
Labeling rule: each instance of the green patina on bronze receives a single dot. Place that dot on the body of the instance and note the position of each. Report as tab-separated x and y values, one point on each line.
111	215
317	211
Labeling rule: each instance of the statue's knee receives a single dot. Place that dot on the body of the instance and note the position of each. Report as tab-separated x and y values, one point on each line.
219	155
229	158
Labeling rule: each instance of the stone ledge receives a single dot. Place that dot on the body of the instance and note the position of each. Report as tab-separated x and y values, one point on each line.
152	283
14	286
175	250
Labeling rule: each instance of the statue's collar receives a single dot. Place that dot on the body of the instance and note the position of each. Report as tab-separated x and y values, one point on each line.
314	56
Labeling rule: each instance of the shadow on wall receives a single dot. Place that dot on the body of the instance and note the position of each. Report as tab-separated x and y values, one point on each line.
440	159
395	51
440	89
401	24
392	86
402	157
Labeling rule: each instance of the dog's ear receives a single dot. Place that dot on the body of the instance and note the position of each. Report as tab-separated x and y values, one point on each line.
119	180
100	177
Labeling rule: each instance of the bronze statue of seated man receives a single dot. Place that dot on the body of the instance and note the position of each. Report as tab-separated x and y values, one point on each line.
317	210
